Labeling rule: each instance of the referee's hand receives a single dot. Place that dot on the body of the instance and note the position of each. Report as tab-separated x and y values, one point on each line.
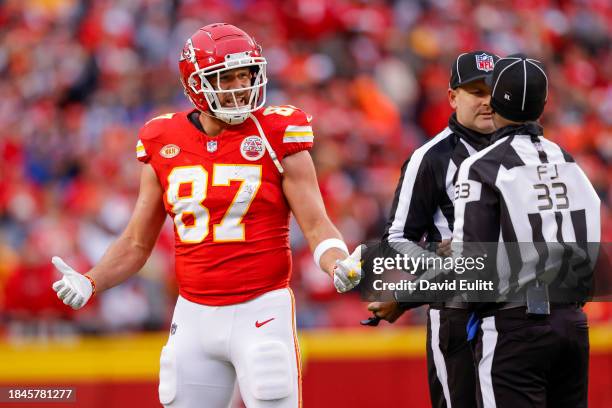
389	311
444	248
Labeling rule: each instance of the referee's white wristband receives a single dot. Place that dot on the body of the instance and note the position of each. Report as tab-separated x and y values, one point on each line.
328	244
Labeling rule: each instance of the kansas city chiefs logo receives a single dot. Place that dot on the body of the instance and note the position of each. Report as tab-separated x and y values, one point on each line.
188	52
252	148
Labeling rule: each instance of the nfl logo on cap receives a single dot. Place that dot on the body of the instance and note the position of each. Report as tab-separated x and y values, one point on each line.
484	62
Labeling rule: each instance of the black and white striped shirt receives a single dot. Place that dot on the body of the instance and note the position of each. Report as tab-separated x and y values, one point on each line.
524	188
423	204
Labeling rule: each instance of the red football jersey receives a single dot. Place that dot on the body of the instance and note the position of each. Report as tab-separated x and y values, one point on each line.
224	193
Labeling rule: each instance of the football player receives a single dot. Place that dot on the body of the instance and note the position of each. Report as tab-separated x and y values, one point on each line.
228	173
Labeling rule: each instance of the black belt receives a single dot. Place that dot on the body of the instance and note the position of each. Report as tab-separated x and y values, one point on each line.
456	305
517	305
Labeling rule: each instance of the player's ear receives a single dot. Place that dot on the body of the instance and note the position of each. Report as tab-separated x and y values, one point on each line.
452	98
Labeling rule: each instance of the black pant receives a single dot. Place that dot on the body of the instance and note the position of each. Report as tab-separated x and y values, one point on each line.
533	362
450	362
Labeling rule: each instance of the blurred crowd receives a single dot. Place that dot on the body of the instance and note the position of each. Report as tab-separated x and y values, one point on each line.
78	79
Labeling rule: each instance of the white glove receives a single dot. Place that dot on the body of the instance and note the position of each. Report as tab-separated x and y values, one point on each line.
74	289
347	273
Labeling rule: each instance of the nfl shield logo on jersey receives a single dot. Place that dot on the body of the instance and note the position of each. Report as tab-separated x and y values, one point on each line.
252	148
484	62
211	146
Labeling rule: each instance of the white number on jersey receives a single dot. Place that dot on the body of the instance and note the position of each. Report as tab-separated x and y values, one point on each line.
285	110
231	227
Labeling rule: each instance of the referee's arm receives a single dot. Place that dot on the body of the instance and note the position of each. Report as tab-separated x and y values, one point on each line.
414	204
416	199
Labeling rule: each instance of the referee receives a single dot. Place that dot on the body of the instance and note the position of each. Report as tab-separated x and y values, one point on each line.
525	188
423	210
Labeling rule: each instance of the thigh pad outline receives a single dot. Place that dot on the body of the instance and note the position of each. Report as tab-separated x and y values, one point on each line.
269	370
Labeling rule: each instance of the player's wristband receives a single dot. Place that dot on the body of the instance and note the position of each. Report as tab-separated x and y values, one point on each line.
93	284
328	244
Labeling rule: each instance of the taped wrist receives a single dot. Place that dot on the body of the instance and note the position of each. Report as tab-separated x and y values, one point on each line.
328	244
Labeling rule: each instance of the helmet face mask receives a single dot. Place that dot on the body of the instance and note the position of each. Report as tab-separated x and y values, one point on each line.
206	61
218	98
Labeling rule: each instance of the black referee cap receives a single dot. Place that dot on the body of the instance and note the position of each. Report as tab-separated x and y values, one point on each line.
471	66
519	88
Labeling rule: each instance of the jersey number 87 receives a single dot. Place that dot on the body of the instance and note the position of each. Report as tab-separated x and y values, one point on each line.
231	227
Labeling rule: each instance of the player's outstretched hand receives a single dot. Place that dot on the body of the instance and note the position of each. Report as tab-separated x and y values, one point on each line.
73	289
347	273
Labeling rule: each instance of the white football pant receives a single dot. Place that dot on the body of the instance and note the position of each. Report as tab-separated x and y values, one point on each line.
210	346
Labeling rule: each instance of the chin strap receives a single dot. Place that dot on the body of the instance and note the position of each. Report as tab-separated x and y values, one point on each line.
271	151
224	120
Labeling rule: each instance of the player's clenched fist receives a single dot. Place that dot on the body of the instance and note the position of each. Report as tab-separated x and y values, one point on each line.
347	273
73	289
